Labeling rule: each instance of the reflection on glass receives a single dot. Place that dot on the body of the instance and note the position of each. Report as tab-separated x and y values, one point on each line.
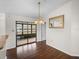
18	33
24	32
29	32
33	26
19	29
29	26
33	32
24	27
32	39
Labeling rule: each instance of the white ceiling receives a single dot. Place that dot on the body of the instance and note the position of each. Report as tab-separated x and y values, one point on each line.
29	7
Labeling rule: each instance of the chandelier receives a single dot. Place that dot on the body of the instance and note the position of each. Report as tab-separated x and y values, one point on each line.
39	20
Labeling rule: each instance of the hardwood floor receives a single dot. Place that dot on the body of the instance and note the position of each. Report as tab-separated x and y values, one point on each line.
36	51
75	57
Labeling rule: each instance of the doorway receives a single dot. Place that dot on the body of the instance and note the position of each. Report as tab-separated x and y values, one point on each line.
26	33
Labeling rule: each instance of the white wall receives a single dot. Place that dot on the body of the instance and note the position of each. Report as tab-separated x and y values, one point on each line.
2	24
75	27
65	39
2	32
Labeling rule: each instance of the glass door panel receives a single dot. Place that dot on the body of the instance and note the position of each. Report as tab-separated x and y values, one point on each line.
33	34
24	29
33	26
33	29
19	29
29	32
30	40
29	27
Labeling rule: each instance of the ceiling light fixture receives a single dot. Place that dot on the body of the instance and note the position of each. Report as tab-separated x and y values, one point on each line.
39	20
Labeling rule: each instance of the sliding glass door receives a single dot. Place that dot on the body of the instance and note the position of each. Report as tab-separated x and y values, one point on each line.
32	31
25	33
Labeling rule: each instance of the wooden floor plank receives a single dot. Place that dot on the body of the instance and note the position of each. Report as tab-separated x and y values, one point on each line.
36	51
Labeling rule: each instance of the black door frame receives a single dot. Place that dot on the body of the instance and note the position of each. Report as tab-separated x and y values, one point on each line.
22	33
